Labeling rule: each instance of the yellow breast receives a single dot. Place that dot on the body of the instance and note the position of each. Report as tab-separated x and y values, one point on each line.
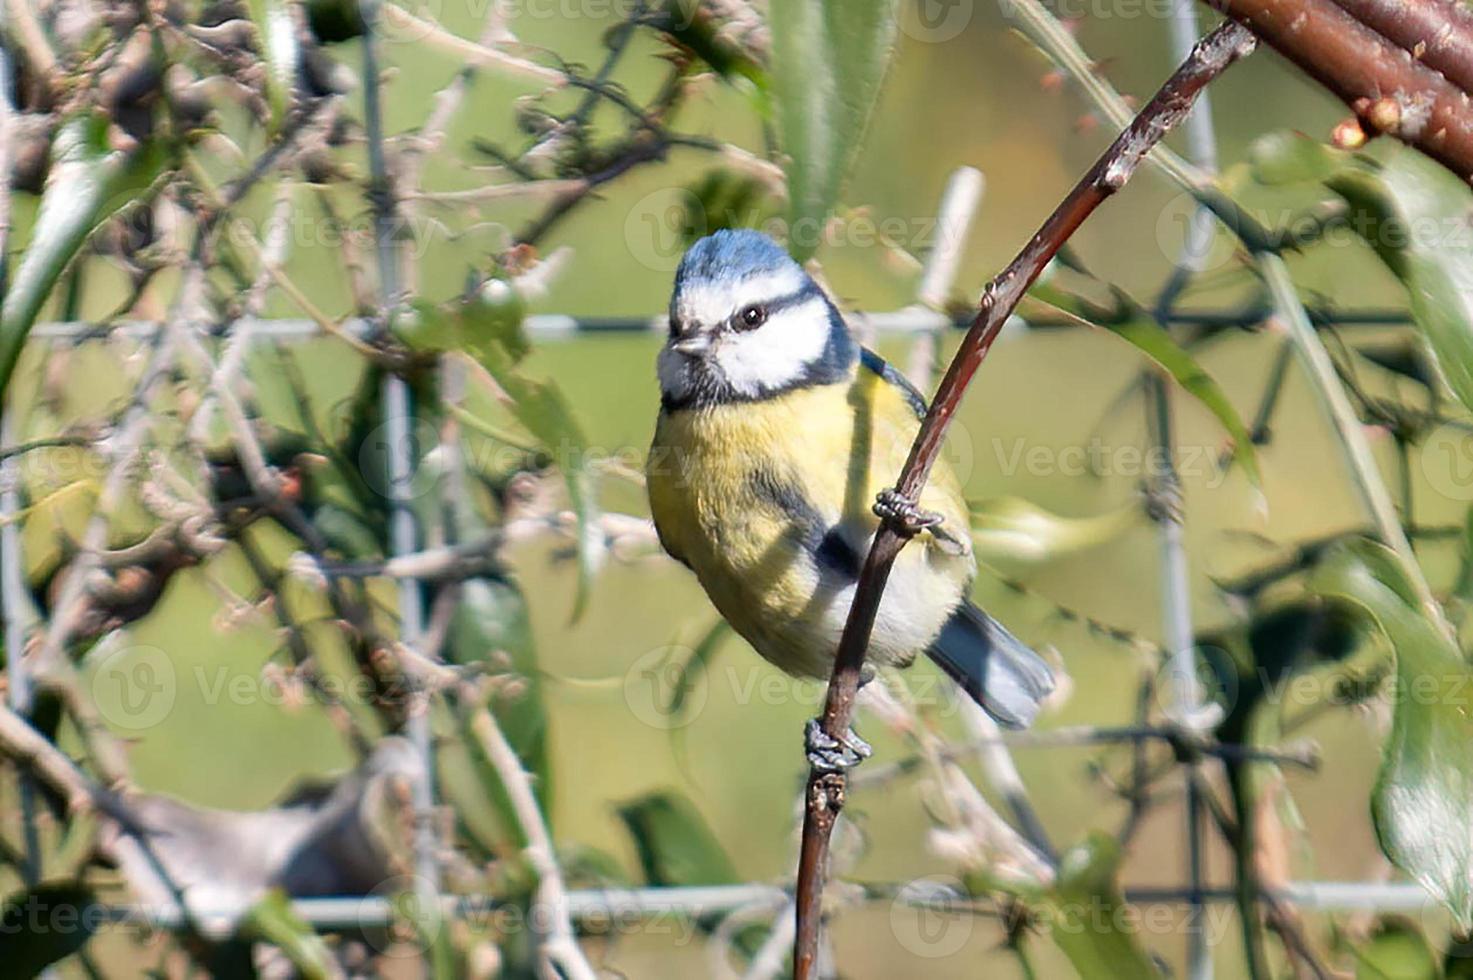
725	482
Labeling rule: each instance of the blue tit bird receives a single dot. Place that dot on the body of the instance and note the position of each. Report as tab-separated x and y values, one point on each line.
776	435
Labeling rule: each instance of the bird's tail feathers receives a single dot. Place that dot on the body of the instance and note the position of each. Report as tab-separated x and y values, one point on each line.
993	666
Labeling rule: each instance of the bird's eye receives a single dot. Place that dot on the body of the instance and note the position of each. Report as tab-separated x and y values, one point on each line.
751	318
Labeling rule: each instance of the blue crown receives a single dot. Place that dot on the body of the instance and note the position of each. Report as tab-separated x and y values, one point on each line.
732	253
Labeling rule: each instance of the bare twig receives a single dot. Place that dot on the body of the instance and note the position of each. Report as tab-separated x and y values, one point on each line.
559	948
32	40
825	796
242	334
124	450
476	54
22	743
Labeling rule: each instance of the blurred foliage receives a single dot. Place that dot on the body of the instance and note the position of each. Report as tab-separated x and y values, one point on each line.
154	141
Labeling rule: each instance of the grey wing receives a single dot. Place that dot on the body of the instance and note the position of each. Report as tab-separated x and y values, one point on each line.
993	666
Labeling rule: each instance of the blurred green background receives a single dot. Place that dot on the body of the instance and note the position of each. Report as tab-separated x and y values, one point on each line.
982	98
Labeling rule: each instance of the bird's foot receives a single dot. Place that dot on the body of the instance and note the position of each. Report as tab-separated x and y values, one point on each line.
907	515
1163	499
828	754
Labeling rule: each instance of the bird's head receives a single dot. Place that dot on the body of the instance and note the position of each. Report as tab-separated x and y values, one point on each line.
746	322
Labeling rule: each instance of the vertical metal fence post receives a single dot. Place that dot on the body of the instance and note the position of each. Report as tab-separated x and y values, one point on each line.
14	597
18	617
1187	695
398	424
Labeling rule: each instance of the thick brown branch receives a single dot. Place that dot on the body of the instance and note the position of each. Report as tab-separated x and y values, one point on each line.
825	793
1438	33
1390	90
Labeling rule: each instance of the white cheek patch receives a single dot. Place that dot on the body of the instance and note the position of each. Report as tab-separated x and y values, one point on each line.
778	352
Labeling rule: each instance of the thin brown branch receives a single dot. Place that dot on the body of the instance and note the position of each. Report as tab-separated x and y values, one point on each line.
1384	85
826	791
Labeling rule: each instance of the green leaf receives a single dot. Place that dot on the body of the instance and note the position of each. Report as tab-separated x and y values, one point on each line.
828	63
273	920
494	320
1396	951
675	845
490	623
1131	324
1285	157
491	328
43	925
694	669
1150	339
1013	528
277	36
1421	797
1089	919
1416	216
88	183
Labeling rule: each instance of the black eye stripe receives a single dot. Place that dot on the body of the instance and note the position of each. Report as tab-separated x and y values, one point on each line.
777	304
